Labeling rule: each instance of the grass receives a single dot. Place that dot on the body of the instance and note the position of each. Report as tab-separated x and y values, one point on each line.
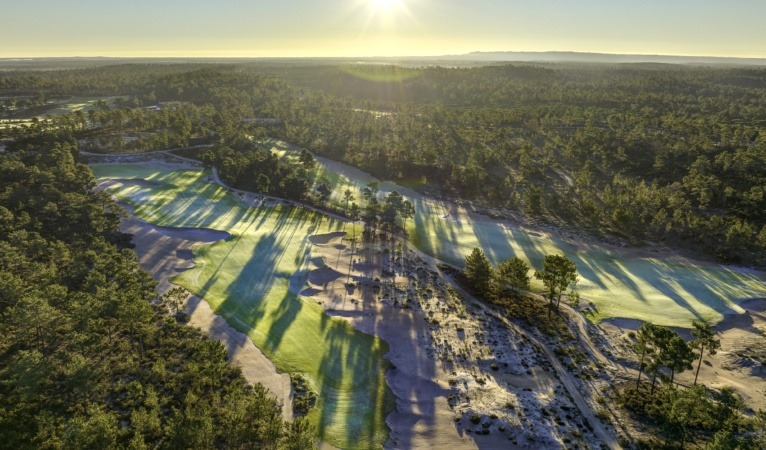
250	279
73	104
665	290
60	107
14	123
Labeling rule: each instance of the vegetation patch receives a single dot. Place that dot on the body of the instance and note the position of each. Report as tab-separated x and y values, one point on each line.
303	397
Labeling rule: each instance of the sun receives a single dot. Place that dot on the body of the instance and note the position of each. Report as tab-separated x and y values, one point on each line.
385	4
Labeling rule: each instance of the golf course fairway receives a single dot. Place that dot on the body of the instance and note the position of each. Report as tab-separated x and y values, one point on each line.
251	279
660	287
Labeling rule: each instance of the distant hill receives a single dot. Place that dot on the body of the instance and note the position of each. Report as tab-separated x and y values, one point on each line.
601	58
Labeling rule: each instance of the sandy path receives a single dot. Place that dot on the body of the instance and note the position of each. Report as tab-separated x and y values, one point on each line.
166	252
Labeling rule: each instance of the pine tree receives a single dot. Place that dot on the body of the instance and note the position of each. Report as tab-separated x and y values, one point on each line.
557	274
514	272
704	339
479	272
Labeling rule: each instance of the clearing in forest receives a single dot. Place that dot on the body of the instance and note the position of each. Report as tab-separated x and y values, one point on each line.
252	279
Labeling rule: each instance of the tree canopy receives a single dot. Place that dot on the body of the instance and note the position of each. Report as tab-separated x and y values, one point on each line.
557	274
479	272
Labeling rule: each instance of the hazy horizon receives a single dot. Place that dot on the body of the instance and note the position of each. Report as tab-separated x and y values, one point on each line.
380	28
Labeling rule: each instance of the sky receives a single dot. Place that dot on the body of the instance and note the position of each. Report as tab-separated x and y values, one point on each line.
312	28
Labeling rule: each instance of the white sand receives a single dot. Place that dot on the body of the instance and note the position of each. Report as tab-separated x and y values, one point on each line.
725	369
441	350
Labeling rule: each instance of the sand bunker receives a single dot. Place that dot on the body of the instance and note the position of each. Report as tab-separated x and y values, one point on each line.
323	276
324	239
193	234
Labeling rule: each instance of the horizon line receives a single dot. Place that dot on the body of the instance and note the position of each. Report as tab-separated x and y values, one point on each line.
154	55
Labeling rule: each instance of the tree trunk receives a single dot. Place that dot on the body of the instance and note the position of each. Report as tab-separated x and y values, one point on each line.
640	368
699	365
550	308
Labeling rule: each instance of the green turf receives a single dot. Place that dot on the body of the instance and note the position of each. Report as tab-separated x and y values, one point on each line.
667	291
14	123
73	104
353	179
247	280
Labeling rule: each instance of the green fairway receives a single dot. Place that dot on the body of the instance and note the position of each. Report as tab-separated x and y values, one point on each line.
665	290
248	279
13	123
668	291
73	104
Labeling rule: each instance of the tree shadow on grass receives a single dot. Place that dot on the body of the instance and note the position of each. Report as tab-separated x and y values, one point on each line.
355	398
494	240
531	249
433	231
351	384
597	268
688	283
232	242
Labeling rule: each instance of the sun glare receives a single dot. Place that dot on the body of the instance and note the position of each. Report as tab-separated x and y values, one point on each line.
385	4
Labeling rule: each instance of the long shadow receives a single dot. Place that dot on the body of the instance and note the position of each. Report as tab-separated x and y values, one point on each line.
416	396
189	204
694	286
444	230
353	393
494	240
351	379
531	249
245	294
233	243
256	276
283	317
611	269
586	269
